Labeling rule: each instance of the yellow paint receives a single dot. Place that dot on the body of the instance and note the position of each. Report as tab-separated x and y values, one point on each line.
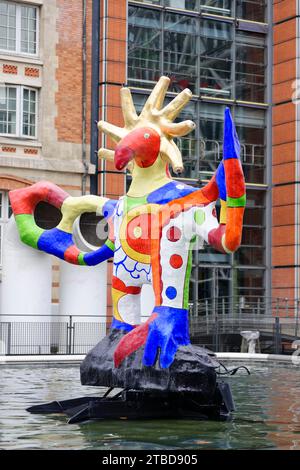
135	255
223	214
72	207
137	232
146	180
224	245
116	296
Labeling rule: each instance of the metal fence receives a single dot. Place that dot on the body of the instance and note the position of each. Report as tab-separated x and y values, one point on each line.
41	334
216	323
238	306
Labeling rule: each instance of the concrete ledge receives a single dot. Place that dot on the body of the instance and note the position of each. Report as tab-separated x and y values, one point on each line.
65	359
47	359
259	357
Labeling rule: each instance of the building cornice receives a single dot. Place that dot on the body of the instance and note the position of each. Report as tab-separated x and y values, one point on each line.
67	166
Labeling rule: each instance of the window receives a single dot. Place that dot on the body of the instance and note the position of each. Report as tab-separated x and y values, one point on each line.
216	59
216	7
5	213
18	111
144	47
250	68
248	10
182	4
180	54
209	56
253	10
252	250
18	28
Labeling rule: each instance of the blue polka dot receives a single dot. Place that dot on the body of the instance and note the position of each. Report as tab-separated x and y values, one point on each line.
171	292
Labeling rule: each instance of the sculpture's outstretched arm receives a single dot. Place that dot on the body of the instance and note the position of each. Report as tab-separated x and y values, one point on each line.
59	241
229	185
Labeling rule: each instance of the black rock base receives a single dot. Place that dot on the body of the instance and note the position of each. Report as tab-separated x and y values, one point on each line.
193	369
137	404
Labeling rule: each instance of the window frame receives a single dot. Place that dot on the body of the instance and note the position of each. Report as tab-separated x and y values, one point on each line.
18	51
20	110
4	218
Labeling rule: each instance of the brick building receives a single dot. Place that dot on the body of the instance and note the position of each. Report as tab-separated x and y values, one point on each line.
241	54
45	64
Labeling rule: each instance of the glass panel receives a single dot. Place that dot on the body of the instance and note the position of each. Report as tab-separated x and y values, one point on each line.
254	216
183	4
144	47
254	213
250	70
180	54
216	7
7	26
250	256
152	2
253	236
188	145
9	209
253	10
249	283
216	58
29	113
211	137
1	227
8	110
139	101
28	29
255	198
250	125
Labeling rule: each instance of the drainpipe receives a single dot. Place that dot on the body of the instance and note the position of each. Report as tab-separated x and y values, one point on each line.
84	159
95	93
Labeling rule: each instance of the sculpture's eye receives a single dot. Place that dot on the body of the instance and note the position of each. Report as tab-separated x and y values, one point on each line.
146	136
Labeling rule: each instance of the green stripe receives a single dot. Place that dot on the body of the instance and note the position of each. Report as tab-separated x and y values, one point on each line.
132	202
110	244
81	260
188	275
28	230
236	201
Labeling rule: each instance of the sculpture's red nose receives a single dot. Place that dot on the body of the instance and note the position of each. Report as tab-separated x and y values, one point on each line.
123	155
142	144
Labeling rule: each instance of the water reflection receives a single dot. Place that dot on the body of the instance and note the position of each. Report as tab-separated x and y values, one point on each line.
268	415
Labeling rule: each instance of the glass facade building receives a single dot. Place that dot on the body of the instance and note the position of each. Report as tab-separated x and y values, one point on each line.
218	49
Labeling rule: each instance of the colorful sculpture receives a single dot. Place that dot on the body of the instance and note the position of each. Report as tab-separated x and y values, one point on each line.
152	230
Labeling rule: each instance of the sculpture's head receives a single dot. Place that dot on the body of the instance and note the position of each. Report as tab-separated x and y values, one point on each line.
147	138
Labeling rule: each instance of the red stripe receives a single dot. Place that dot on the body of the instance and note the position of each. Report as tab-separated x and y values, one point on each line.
211	190
132	341
121	286
215	237
118	284
235	183
71	254
23	201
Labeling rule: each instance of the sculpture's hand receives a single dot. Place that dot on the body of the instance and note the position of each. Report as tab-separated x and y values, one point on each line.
164	331
168	330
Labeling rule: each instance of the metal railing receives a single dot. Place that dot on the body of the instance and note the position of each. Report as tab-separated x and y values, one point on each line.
47	334
214	322
237	306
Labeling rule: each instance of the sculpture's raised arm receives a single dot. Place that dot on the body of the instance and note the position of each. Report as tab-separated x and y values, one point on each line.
59	241
228	184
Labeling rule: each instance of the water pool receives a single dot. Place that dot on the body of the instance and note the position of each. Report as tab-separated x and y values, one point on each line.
267	416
